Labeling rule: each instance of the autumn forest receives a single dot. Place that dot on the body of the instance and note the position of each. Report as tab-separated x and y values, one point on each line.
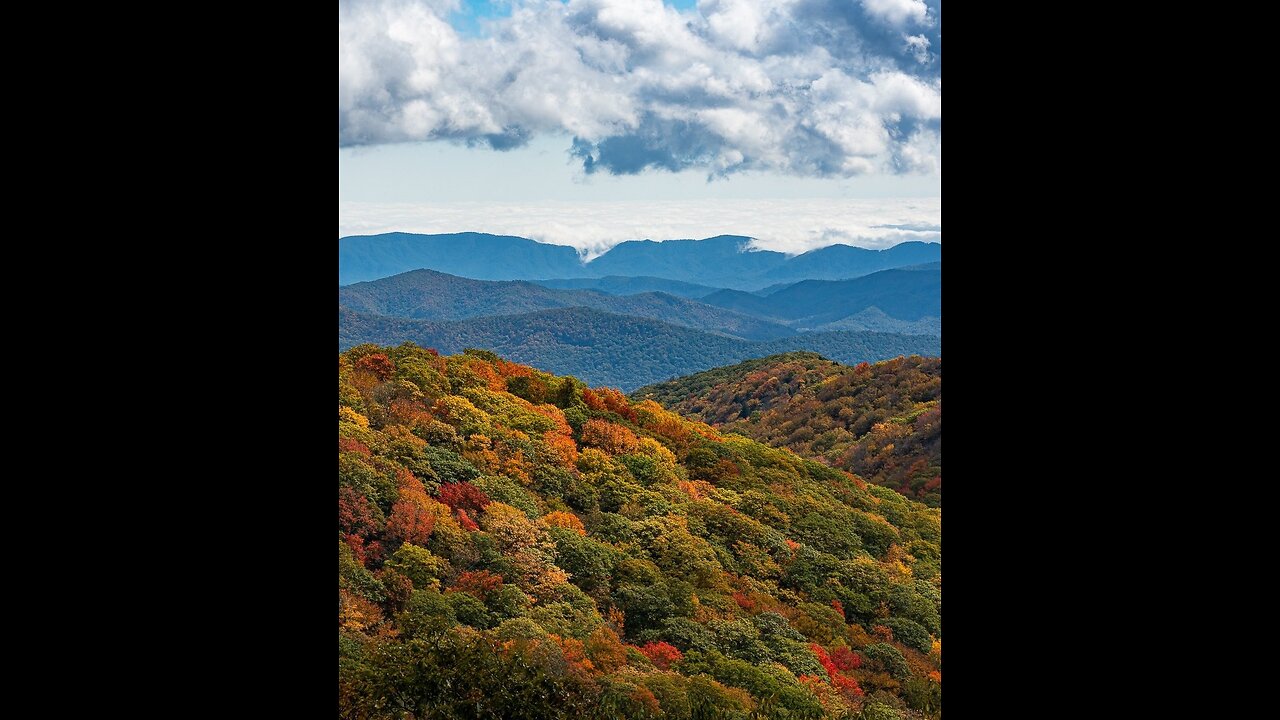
515	544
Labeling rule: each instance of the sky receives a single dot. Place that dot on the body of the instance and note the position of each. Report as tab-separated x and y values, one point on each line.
797	122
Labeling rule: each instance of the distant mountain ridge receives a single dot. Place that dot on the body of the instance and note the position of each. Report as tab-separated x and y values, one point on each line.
621	285
432	295
475	255
609	349
840	262
717	261
901	294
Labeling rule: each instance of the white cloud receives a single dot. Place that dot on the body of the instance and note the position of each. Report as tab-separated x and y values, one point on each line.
898	95
800	87
897	12
922	152
736	23
918	46
791	226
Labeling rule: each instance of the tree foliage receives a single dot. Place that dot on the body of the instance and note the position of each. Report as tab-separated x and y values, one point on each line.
881	421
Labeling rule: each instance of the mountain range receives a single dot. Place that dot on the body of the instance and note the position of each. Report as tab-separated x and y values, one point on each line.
606	348
622	285
679	310
431	295
723	261
469	254
902	294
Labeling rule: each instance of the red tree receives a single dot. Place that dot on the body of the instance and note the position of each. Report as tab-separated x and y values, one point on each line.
465	522
353	445
355	515
838	606
845	684
374	554
479	583
845	659
464	496
409	523
662	654
357	546
378	364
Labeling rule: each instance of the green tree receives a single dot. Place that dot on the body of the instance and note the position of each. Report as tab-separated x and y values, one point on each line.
423	568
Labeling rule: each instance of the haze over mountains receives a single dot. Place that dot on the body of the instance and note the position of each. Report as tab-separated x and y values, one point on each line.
431	295
718	261
652	312
904	294
622	285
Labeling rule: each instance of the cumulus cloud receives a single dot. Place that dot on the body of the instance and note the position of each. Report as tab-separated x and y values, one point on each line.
801	87
790	226
897	12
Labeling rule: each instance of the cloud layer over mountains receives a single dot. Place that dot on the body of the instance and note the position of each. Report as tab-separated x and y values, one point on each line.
790	226
817	88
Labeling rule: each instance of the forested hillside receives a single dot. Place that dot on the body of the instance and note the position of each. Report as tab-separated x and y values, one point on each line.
882	421
515	545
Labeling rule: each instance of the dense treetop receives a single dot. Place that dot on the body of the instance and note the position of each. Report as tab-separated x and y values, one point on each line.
515	544
881	421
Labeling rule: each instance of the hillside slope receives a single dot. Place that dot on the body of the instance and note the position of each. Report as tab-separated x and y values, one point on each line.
609	349
882	422
515	545
431	295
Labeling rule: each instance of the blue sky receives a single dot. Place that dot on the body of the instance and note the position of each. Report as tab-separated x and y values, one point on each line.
638	101
467	18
